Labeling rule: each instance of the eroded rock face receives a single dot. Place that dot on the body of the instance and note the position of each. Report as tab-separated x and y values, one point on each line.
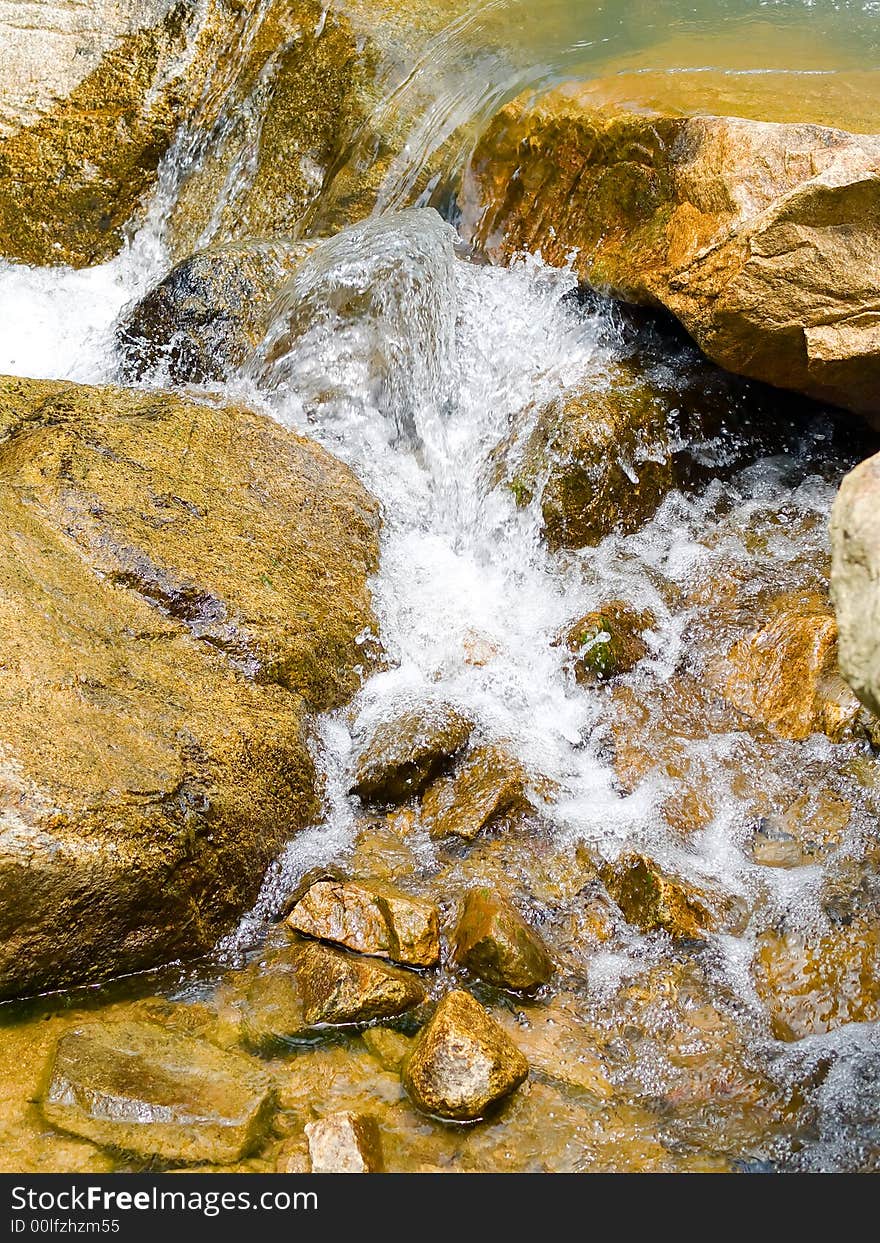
855	575
761	238
786	674
494	942
403	754
157	1094
203	320
90	99
179	586
489	784
463	1062
345	1143
372	918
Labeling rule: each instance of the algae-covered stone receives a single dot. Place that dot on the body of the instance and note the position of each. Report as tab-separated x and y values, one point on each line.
341	988
855	579
345	1143
653	898
598	460
403	754
463	1062
494	942
488	785
179	584
372	918
761	238
91	97
158	1094
812	982
786	674
608	641
203	320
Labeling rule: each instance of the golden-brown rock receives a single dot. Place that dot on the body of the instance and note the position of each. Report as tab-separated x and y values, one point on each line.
761	238
372	918
179	584
786	675
608	641
653	898
855	574
138	1088
494	942
403	754
488	785
463	1062
341	988
345	1143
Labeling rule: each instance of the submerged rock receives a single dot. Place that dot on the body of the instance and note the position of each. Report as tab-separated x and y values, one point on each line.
345	1143
204	319
597	460
404	754
388	1047
463	1062
91	97
786	674
157	1094
372	918
179	586
493	941
340	988
488	785
608	642
761	238
855	579
652	899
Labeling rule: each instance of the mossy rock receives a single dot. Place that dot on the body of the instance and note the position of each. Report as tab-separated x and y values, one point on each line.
180	587
608	642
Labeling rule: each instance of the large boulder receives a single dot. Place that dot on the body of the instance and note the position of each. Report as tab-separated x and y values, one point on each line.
180	586
91	96
855	579
761	238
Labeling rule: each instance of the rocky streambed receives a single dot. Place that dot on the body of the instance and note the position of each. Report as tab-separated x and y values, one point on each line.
438	567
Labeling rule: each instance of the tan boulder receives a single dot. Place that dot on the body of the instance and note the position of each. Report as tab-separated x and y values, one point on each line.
488	785
180	585
608	642
157	1094
372	918
493	941
855	579
340	988
786	674
463	1062
403	754
761	238
345	1143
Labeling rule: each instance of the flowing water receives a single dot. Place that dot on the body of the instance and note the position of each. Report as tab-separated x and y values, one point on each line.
413	363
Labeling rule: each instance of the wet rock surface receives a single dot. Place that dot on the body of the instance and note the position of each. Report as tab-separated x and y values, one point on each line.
855	544
402	755
157	1094
489	785
345	1143
463	1062
493	941
608	642
371	918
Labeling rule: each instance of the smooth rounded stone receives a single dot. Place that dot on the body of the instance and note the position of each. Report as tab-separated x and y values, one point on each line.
463	1062
786	675
403	754
345	1143
653	898
608	642
91	97
165	645
597	460
814	981
494	942
341	988
202	321
488	785
855	579
761	238
372	918
158	1094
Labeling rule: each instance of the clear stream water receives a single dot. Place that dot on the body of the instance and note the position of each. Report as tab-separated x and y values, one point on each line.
414	392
